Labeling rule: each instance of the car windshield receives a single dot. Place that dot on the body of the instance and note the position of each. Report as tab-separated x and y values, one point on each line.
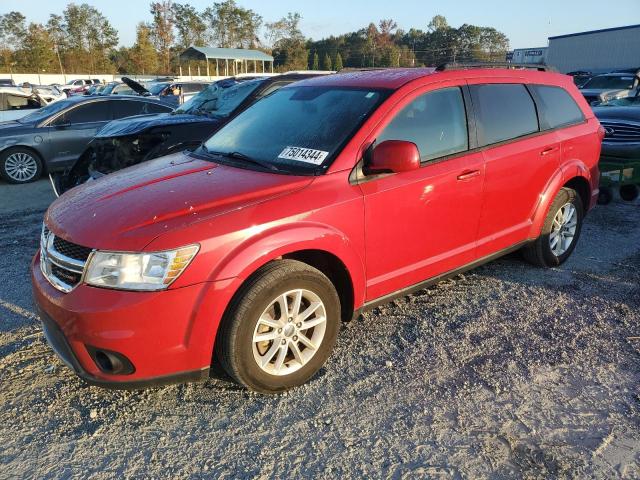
45	112
622	102
156	88
610	81
297	129
109	88
220	99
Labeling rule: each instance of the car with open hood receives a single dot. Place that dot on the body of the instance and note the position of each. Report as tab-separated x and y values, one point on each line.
325	198
130	141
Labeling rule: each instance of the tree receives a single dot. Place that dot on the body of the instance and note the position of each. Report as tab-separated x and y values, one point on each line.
316	61
12	31
326	62
289	45
231	26
162	31
144	58
338	63
192	30
36	53
438	22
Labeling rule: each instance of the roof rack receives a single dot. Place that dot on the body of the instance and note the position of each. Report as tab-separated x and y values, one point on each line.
511	66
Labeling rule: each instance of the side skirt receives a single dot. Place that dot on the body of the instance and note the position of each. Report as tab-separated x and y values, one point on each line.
370	305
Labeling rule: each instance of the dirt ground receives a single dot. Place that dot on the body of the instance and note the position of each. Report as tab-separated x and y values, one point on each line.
505	372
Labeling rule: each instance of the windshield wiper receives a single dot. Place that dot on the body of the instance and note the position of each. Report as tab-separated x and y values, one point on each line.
242	157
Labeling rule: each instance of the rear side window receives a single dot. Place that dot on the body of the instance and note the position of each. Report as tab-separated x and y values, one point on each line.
128	108
504	111
557	108
436	122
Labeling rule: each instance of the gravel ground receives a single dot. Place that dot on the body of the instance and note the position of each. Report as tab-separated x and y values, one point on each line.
506	371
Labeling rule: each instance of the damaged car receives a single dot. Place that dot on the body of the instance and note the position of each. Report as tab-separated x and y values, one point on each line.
16	102
127	142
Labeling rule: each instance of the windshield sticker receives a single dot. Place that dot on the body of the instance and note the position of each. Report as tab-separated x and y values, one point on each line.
307	155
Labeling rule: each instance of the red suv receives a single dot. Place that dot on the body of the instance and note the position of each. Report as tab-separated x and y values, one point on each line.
327	197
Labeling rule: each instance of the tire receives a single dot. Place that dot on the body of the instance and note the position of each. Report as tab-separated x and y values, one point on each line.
20	165
557	240
238	345
605	196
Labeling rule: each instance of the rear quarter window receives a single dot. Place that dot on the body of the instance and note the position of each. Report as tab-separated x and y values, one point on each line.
504	112
556	106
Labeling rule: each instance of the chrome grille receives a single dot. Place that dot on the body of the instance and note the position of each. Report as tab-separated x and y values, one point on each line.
62	262
620	132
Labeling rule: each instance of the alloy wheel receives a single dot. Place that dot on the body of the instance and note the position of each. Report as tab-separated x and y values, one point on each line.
563	229
289	332
21	166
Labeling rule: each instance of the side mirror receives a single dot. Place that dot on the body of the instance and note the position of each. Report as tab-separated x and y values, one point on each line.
393	156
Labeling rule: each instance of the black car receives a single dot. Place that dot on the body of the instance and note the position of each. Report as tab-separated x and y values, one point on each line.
53	137
621	121
127	142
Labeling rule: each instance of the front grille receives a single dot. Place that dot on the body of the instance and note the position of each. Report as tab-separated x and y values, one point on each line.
62	262
71	250
620	132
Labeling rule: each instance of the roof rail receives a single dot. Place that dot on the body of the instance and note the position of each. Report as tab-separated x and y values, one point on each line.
511	66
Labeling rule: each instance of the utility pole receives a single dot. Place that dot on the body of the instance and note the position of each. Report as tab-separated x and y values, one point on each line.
55	47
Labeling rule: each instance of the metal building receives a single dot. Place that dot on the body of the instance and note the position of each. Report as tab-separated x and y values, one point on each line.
596	51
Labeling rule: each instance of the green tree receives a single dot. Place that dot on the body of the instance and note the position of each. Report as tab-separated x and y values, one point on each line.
326	62
316	61
12	31
289	45
192	29
162	31
338	63
144	58
36	54
231	26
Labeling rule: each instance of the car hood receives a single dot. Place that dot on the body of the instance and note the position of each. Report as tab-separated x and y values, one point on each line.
128	209
618	113
11	127
139	123
135	86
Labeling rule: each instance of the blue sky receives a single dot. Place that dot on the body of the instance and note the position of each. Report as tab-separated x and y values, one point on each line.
527	24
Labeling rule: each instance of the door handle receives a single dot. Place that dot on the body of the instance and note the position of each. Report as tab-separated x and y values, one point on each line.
468	174
548	150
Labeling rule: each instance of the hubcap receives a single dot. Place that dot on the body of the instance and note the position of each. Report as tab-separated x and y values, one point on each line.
21	166
289	332
563	229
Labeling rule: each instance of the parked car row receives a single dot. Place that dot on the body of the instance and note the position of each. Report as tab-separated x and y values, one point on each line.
609	86
313	201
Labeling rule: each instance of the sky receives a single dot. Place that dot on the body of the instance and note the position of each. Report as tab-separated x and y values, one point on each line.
526	24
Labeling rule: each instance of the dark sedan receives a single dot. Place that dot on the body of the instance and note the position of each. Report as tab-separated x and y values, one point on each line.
621	121
54	136
126	142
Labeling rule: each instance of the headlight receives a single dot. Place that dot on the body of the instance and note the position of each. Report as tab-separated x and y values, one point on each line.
138	271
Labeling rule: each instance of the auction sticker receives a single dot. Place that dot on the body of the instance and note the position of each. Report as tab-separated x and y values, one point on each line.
307	155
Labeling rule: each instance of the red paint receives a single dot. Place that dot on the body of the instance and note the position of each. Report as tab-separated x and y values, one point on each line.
389	232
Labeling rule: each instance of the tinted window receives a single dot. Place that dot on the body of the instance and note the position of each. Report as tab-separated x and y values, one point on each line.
436	122
610	81
557	108
156	108
505	111
89	112
128	108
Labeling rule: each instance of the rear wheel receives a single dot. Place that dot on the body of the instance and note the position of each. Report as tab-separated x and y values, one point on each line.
560	231
20	165
280	327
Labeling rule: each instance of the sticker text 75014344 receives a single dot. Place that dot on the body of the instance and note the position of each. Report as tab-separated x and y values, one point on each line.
307	155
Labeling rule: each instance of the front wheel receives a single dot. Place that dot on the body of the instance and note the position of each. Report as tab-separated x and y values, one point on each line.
20	165
280	327
560	231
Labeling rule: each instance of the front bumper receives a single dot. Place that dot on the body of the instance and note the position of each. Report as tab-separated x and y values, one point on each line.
620	151
167	336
